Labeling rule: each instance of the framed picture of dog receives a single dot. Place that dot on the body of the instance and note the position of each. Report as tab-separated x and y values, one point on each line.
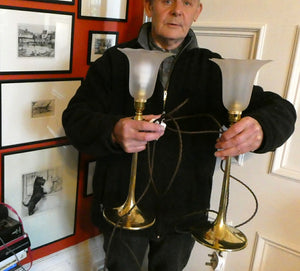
37	116
42	188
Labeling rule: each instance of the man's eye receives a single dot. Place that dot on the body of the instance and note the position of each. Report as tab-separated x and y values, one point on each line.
188	3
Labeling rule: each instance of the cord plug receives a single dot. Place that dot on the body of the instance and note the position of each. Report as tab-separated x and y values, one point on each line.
159	121
217	261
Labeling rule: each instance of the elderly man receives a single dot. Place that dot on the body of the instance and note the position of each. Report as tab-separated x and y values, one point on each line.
98	121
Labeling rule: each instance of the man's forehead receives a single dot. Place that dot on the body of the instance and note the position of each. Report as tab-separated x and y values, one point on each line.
176	0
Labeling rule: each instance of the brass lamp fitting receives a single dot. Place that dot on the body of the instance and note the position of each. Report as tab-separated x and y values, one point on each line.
234	116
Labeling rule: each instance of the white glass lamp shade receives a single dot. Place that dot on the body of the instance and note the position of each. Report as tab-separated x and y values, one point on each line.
238	77
143	70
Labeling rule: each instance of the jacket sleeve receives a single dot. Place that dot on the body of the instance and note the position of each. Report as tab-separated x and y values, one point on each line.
276	116
87	121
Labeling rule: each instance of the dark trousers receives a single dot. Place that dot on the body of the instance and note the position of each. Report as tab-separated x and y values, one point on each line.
125	251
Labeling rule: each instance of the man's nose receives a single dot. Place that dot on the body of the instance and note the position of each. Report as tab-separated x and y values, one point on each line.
177	8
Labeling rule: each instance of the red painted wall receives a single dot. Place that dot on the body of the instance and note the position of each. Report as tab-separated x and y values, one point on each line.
127	30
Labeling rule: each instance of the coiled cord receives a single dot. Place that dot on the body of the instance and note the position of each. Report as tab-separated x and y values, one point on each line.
167	117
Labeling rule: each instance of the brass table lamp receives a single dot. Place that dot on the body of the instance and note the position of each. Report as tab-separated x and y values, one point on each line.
143	70
238	78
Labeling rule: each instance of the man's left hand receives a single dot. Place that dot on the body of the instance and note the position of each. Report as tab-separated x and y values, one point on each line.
243	136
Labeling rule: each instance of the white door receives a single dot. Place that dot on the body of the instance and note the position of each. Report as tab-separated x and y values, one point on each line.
270	30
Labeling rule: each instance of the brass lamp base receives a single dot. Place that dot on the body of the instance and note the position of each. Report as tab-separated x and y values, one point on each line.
134	220
220	237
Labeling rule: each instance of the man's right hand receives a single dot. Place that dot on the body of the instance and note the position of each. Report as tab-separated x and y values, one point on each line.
133	135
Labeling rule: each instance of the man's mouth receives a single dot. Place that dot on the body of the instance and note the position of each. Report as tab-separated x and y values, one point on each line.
174	24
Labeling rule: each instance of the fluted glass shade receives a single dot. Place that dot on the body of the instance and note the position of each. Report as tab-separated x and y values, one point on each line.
238	77
143	70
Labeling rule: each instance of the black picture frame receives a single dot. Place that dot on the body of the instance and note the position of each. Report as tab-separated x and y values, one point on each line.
88	180
104	10
35	41
37	116
98	42
63	2
53	172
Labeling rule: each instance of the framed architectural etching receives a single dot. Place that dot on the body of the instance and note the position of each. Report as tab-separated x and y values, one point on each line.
99	41
110	10
36	116
35	41
42	188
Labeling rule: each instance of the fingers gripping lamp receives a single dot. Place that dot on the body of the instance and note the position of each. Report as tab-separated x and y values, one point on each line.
238	78
143	70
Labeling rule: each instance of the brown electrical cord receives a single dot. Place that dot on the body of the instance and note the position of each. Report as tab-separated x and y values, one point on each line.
166	117
252	193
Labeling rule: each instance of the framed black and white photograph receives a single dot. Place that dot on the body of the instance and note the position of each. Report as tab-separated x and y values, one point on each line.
65	2
42	188
31	110
35	41
108	10
99	41
90	170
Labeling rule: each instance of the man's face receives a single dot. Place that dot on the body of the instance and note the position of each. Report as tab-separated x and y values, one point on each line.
171	20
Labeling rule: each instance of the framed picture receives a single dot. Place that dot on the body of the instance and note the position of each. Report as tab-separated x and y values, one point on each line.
65	2
42	188
108	10
36	116
90	170
35	41
99	41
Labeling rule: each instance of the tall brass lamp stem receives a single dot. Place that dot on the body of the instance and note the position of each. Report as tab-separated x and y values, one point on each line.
218	235
128	215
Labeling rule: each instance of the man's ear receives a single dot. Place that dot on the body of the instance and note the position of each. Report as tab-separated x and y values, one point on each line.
198	12
148	7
